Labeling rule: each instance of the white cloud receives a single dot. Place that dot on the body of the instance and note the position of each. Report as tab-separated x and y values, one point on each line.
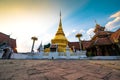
90	32
71	33
115	22
82	31
115	15
67	34
74	30
86	34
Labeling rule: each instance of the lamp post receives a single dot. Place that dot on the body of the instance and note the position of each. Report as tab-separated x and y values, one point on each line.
34	39
78	36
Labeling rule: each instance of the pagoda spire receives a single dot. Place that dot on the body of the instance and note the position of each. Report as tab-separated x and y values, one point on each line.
60	38
60	29
60	23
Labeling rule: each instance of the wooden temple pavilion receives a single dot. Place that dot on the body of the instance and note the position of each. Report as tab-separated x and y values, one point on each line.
103	43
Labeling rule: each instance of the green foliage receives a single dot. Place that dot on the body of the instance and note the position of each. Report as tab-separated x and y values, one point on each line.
47	46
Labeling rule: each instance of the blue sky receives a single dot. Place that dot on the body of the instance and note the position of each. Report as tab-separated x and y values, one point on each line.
26	18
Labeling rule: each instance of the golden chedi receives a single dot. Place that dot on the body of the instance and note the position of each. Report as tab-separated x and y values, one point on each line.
60	38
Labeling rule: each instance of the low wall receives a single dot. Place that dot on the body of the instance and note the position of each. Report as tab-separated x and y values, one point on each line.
56	56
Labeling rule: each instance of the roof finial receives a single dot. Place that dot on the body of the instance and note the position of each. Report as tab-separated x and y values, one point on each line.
95	21
60	13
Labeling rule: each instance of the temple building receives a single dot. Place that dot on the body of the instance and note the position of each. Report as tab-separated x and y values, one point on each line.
60	40
6	41
103	43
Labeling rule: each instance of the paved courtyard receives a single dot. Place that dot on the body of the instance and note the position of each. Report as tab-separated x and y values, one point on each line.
59	70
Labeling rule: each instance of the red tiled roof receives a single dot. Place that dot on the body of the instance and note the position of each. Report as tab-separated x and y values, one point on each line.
102	41
86	44
75	44
102	33
115	37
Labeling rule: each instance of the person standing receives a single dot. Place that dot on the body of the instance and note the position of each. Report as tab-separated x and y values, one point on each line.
7	53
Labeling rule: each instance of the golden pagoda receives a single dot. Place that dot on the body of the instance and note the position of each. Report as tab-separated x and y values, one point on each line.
60	38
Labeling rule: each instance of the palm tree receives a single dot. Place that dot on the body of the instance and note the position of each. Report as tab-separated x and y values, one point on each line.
34	39
78	36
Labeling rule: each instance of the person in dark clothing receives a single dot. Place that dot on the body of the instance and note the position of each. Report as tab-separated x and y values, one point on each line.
4	56
7	53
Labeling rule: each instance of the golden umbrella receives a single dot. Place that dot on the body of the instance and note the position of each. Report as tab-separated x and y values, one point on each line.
78	36
34	39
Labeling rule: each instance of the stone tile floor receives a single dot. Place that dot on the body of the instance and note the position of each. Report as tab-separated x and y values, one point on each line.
59	69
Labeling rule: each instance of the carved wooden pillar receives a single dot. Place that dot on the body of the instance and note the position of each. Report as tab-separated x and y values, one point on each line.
106	51
98	51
